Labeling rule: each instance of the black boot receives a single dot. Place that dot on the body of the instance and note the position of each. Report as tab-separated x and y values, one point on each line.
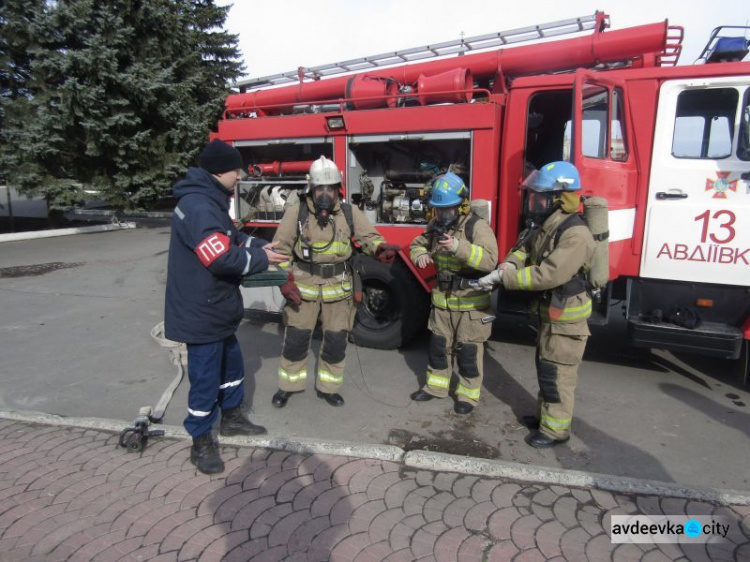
204	454
280	399
421	395
542	441
234	422
463	408
334	399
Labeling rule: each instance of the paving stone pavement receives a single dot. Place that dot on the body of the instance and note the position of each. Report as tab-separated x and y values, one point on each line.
72	494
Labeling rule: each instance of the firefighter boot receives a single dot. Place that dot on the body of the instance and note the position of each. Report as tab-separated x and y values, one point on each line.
280	399
462	408
204	454
234	422
541	441
334	399
421	395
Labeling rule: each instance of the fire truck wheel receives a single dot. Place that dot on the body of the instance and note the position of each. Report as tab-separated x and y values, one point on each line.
394	306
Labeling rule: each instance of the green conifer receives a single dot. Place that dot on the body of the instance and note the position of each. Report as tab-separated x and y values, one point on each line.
122	95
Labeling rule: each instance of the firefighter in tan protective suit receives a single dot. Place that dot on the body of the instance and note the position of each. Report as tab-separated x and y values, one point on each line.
463	247
317	235
552	259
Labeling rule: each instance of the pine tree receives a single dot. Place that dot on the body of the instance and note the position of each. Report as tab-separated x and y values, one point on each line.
124	94
16	18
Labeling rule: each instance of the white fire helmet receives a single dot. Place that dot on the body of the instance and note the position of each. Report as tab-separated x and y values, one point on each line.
323	172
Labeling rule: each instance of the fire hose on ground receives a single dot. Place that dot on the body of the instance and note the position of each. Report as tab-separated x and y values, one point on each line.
135	438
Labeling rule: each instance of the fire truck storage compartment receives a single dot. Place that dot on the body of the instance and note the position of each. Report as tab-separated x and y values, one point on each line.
662	313
389	176
277	170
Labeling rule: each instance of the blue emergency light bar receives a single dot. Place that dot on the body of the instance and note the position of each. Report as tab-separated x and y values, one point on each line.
728	49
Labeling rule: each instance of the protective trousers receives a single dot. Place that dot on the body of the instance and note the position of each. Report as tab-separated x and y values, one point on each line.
336	318
459	336
217	374
559	353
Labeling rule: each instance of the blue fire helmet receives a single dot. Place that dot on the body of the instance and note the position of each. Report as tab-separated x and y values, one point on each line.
555	176
448	190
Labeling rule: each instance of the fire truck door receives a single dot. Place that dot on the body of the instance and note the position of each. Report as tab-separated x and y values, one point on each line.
600	148
698	210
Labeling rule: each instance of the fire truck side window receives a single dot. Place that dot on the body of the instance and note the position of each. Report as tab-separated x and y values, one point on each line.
595	117
743	147
546	138
618	149
704	123
548	126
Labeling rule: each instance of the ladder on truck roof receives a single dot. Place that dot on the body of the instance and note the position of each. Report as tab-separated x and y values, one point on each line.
460	46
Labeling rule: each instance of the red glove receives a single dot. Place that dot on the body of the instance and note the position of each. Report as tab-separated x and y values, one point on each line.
290	291
386	253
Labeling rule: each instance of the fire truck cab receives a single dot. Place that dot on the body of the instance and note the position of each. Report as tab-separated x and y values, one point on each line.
668	147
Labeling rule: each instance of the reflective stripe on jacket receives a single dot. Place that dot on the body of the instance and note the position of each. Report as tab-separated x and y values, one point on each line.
329	244
544	266
470	260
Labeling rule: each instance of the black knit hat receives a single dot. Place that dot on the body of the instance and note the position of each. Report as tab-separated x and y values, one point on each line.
218	157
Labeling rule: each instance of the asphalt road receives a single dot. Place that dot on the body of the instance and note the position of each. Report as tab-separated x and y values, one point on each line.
74	340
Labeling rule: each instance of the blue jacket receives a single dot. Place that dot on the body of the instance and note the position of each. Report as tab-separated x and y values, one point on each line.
207	258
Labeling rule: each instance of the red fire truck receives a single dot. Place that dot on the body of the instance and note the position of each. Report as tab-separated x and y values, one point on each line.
668	147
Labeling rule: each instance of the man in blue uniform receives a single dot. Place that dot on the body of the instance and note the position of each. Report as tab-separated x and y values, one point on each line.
203	306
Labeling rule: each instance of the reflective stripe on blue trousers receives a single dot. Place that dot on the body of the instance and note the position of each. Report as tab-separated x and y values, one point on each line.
217	373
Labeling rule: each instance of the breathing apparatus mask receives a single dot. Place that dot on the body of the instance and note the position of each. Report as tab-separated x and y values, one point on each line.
538	206
445	219
324	199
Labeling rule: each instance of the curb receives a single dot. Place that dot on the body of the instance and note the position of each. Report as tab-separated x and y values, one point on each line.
307	446
31	235
575	478
425	460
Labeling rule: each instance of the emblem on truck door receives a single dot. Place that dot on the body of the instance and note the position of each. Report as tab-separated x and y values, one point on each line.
720	185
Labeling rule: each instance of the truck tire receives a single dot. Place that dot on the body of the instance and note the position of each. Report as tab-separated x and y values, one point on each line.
394	306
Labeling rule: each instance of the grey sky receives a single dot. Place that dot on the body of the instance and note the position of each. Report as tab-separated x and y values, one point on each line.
280	36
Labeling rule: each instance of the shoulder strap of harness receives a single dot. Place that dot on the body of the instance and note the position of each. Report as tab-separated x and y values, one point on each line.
578	283
302	213
347	209
469	226
573	220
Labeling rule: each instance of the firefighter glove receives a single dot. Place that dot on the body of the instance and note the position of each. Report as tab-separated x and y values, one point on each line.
290	291
386	253
488	282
